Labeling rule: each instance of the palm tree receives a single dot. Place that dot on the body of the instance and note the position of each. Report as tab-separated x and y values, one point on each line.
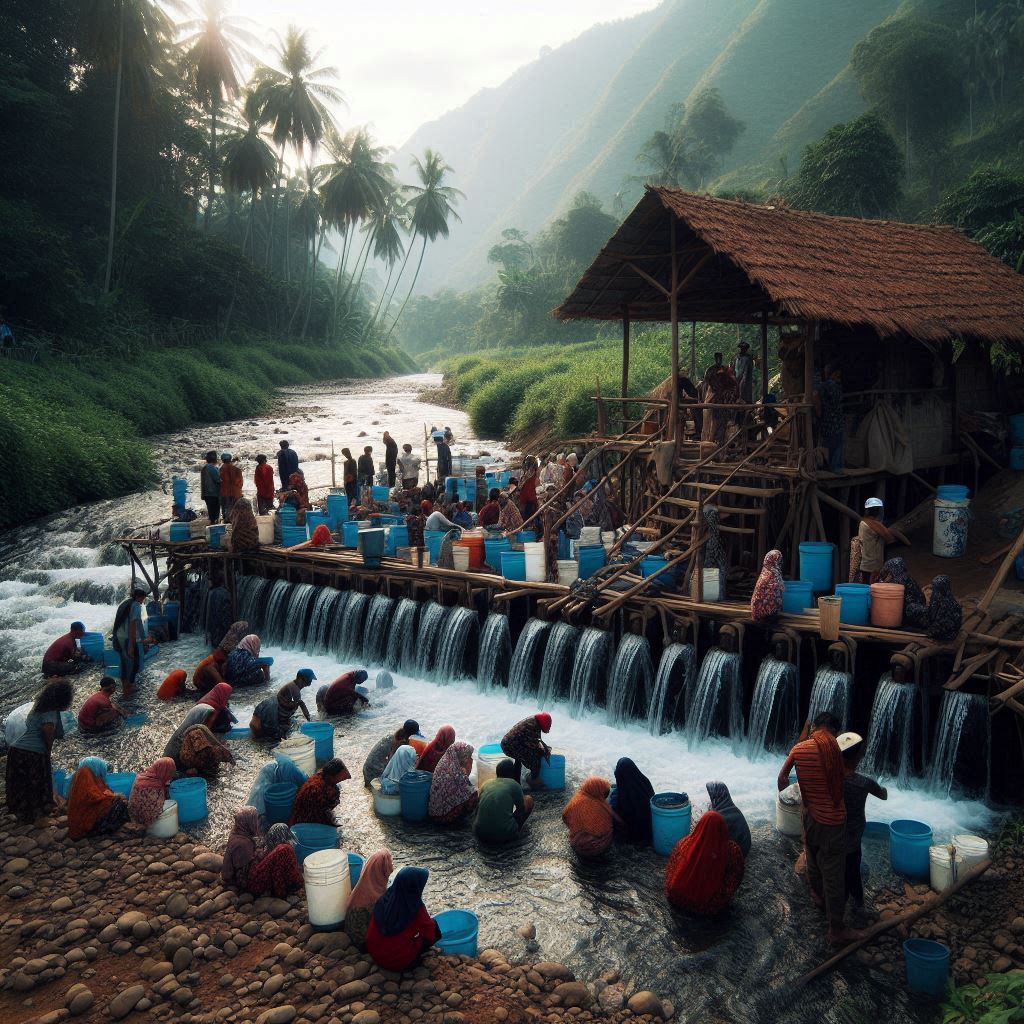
214	50
388	224
431	205
127	38
250	164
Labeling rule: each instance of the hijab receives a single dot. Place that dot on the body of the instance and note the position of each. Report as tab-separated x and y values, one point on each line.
945	616
281	770
402	760
217	698
721	802
245	534
714	553
236	632
915	607
157	776
700	859
401	902
277	834
373	881
89	798
450	787
766	601
588	810
250	644
438	745
97	766
243	845
633	800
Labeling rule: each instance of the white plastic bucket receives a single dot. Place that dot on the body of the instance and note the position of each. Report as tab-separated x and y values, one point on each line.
265	526
940	867
460	557
568	571
385	806
949	532
167	824
970	850
302	750
590	535
607	537
487	767
713	585
787	812
535	567
328	887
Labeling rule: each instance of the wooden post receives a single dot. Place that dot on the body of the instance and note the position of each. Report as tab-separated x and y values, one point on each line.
812	331
426	450
334	482
693	352
673	312
764	357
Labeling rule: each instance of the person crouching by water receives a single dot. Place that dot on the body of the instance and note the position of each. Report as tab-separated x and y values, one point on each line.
319	795
63	657
272	718
503	807
94	809
99	712
705	868
590	818
820	774
340	697
149	791
384	749
401	929
277	872
524	745
372	884
856	790
452	795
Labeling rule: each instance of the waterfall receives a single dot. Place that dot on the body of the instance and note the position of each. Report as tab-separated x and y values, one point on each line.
629	680
277	603
401	649
963	749
375	633
717	705
454	651
554	674
526	659
674	678
831	692
893	731
252	596
328	607
774	709
589	670
347	632
299	603
431	618
495	654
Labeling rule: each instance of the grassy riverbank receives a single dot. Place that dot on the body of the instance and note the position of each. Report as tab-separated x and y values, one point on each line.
76	432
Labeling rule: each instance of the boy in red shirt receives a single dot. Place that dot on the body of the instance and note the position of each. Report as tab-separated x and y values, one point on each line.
99	710
264	480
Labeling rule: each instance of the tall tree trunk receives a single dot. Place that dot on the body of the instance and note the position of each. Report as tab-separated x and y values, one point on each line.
394	323
273	210
250	235
213	164
312	280
287	233
372	322
113	151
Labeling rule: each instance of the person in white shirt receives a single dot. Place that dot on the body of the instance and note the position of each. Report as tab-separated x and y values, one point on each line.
409	464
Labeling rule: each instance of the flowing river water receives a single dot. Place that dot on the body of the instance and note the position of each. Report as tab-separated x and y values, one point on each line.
594	917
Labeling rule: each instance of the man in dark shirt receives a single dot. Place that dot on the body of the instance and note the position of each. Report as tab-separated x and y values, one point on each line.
209	486
390	457
444	460
287	463
366	469
62	657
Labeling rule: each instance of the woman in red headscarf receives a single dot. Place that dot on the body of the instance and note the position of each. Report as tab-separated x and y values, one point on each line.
523	743
445	737
705	868
221	719
590	818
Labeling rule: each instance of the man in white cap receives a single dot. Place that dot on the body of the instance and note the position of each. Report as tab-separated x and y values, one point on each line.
873	535
856	790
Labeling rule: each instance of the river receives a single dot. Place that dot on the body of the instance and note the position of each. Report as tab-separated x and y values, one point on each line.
594	917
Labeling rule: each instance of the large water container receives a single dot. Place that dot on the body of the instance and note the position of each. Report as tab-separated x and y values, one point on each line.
591	558
322	734
568	571
414	787
337	508
350	533
112	661
166	825
941	871
380	492
927	967
355	866
432	539
855	603
797	596
371	547
552	772
328	887
302	750
887	605
488	757
493	550
908	847
215	534
653	563
313	837
315	519
513	565
288	514
952	492
534	562
787	811
459	930
92	645
816	564
384	804
121	782
278	800
191	796
670	820
949	531
265	529
398	537
970	850
172	609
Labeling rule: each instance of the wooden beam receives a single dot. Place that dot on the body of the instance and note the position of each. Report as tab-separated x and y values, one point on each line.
625	356
764	357
673	412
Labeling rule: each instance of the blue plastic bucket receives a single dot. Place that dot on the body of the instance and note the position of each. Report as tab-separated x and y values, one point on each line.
552	772
670	820
312	838
513	565
1017	458
133	721
414	788
61	782
380	492
355	867
1017	428
180	532
121	782
797	597
493	550
856	603
526	537
288	514
908	847
652	563
172	609
268	661
155	624
398	537
350	533
112	660
459	930
92	646
433	539
292	535
278	800
952	492
816	564
322	734
315	519
337	508
214	537
371	546
927	966
191	796
591	558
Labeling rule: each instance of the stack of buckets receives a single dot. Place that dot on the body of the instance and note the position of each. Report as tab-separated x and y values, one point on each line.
337	509
952	509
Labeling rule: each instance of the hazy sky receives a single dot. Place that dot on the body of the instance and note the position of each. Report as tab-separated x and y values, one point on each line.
403	62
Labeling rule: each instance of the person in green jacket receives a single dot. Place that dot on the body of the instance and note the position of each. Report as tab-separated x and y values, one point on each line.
503	807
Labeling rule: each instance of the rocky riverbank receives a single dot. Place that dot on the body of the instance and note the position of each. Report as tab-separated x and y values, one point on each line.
135	928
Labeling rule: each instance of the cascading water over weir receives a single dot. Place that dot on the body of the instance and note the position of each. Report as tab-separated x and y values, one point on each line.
775	708
831	692
495	653
589	670
630	679
717	705
675	675
558	658
893	732
961	758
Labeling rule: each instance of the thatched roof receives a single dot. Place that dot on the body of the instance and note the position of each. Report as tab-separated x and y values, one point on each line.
739	260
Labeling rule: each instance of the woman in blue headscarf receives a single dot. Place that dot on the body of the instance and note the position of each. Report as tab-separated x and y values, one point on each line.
401	928
281	770
403	760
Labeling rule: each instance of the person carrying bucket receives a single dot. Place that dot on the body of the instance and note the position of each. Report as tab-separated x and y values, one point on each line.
872	536
856	790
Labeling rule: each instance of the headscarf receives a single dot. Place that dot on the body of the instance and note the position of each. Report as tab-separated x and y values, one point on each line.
721	802
544	721
243	846
915	607
766	601
297	483
714	553
89	798
588	810
217	698
450	787
402	760
235	632
97	766
250	644
945	616
401	902
245	533
277	834
700	859
373	881
438	745
157	776
633	800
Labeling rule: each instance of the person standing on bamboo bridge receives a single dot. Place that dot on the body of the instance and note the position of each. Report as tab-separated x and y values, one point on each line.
390	457
230	484
263	478
287	463
873	535
410	466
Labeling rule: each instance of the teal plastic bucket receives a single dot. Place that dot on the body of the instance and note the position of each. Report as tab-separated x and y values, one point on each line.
278	801
398	537
292	535
952	492
797	597
493	550
459	930
1017	428
322	734
312	838
172	609
180	532
337	508
909	841
552	772
856	603
526	537
591	558
239	732
191	796
350	533
927	967
355	867
513	565
1017	458
288	514
671	814
816	565
414	788
121	782
214	537
380	492
112	660
371	546
652	563
315	519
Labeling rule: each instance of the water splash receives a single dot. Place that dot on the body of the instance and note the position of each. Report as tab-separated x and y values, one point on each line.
431	619
328	608
347	632
456	645
375	633
495	654
297	613
589	671
962	751
674	679
630	679
558	658
831	692
717	705
893	732
401	651
527	658
252	597
774	709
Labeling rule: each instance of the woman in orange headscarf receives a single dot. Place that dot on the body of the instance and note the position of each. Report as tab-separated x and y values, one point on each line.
590	818
93	807
445	737
705	868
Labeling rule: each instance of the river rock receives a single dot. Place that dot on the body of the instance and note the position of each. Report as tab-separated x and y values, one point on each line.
551	970
209	861
278	1015
573	993
646	1003
177	904
124	1002
528	931
182	960
126	922
78	999
366	1017
16	865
